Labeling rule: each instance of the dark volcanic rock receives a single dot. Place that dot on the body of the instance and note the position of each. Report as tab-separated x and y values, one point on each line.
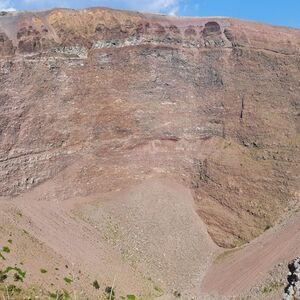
292	290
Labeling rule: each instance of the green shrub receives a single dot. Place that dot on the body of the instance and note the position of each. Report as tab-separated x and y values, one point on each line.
43	271
6	249
12	289
274	286
60	295
110	293
68	280
96	285
19	275
3	276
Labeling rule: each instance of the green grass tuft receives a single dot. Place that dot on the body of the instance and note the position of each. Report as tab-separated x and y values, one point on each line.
6	249
68	280
43	271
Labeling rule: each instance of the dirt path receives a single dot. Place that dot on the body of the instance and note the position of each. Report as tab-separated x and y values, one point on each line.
243	269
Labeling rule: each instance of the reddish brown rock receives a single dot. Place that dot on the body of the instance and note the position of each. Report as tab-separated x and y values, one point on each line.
6	45
211	103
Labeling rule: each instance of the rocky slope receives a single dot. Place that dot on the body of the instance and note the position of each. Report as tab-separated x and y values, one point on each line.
95	102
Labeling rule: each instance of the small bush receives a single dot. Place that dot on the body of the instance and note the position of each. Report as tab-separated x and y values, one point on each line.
12	289
6	249
274	286
96	285
17	277
53	295
43	271
3	276
68	280
110	293
60	295
158	289
177	294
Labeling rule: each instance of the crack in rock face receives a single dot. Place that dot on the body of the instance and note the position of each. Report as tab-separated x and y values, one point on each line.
292	290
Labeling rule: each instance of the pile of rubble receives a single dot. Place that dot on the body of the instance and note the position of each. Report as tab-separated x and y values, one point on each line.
292	290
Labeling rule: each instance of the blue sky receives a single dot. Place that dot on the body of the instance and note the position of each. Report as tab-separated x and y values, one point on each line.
277	12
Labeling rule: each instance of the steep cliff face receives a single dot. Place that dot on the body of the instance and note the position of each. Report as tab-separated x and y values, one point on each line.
110	98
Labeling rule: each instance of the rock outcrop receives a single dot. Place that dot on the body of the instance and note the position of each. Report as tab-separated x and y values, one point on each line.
292	290
115	97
